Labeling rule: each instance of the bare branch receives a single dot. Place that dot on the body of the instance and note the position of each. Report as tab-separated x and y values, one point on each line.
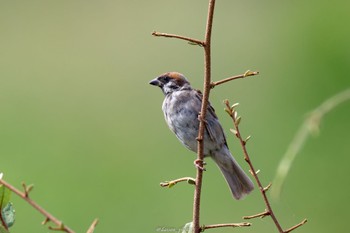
92	226
259	215
201	117
24	195
189	39
296	226
170	184
233	114
242	224
246	74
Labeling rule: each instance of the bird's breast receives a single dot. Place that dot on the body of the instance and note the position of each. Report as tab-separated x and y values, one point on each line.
181	111
181	114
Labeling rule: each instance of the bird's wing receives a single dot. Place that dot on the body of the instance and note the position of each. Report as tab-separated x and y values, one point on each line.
211	120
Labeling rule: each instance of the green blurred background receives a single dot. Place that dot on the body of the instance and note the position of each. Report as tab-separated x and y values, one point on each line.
80	121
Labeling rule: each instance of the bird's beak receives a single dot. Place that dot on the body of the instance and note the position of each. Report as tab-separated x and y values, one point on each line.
155	82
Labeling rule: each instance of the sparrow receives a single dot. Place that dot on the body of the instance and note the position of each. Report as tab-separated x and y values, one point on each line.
181	107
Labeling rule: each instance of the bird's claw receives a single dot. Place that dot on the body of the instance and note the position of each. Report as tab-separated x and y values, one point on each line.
200	118
199	163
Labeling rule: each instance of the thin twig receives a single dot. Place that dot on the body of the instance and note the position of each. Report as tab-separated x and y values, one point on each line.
259	215
296	226
268	187
92	226
189	39
309	127
233	114
46	220
242	224
246	74
59	225
170	184
59	228
27	188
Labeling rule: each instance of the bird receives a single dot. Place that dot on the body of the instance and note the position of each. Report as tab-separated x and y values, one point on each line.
181	107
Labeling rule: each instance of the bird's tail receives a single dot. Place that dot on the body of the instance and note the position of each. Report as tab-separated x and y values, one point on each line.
238	181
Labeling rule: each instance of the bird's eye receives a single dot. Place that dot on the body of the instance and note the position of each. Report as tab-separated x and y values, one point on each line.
166	79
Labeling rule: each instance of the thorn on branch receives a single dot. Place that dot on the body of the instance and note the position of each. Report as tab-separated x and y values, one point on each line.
45	221
234	132
247	139
267	187
92	226
256	172
27	189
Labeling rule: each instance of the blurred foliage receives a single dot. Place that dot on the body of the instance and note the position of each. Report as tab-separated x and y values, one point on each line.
79	119
7	212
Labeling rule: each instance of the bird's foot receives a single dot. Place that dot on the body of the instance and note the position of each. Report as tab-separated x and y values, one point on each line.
199	163
200	118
